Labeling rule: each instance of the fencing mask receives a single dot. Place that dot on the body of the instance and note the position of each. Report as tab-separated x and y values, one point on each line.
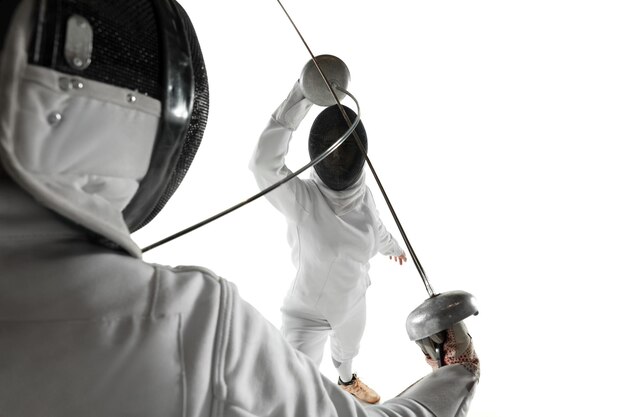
343	167
140	55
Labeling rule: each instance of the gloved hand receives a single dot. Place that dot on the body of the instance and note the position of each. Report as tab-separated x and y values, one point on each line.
450	347
291	112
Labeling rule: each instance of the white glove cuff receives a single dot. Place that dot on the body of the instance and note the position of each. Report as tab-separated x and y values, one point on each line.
293	110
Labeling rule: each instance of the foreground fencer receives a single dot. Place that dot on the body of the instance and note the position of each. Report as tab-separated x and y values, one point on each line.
98	125
333	230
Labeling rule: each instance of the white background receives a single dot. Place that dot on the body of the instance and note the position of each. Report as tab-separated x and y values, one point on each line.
497	128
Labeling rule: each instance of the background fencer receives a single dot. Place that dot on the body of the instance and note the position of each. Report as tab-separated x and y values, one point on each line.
333	230
102	107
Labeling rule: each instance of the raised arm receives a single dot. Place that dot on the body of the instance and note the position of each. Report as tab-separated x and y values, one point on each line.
268	160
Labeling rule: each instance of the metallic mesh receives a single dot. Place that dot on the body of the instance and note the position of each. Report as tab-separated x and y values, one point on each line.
342	167
129	53
126	51
198	120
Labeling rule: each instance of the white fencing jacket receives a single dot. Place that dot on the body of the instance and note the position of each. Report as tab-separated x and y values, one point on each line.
332	234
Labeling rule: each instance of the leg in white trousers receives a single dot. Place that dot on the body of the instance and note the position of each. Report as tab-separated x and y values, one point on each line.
307	331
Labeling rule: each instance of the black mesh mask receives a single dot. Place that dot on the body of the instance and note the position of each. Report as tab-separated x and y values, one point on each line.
148	46
343	167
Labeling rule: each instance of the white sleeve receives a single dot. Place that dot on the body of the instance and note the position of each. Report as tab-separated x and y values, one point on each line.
264	376
268	166
446	392
387	244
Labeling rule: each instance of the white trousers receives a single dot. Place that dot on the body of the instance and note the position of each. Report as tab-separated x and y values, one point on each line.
307	330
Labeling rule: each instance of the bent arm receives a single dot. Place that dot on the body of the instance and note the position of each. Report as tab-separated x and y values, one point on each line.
268	160
265	376
268	166
387	244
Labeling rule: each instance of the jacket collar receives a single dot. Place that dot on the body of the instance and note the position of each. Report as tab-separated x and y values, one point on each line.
342	202
23	218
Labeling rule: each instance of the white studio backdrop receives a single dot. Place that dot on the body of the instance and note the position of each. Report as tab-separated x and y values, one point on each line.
498	130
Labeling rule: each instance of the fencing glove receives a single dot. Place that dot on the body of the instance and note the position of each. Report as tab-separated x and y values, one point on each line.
450	347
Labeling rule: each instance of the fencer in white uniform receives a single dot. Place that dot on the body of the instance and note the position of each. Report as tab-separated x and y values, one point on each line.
333	229
87	328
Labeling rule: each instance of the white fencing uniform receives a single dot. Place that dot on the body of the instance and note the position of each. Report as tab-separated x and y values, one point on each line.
333	235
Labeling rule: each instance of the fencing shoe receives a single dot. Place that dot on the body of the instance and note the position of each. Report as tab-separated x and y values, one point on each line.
360	390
